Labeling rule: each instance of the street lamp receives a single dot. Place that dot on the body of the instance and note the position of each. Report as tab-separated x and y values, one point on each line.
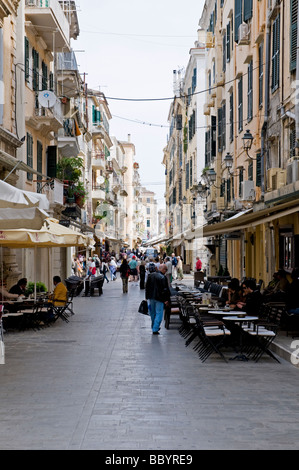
247	141
228	160
211	176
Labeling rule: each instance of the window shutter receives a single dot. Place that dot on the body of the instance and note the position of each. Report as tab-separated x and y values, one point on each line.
220	130
258	180
27	65
224	52
231	116
275	52
247	10
293	48
44	76
223	125
35	57
240	181
228	51
238	18
29	140
52	161
213	137
240	103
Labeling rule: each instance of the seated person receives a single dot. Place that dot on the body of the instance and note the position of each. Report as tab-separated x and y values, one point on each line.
5	295
272	284
253	298
19	288
292	304
280	288
234	294
60	295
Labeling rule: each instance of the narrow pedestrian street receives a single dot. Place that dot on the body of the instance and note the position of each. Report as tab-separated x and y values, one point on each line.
103	381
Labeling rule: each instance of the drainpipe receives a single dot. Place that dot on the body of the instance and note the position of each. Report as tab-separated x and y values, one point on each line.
266	106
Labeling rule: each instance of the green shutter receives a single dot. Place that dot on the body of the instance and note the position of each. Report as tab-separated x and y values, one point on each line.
27	65
258	181
293	34
52	161
29	140
247	10
238	18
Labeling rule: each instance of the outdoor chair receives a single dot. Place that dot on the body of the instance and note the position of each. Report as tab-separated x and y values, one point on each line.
261	337
211	339
171	310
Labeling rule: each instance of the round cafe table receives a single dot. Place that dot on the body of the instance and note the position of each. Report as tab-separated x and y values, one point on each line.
239	320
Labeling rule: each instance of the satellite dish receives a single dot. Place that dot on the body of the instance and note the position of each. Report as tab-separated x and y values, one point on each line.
100	179
46	99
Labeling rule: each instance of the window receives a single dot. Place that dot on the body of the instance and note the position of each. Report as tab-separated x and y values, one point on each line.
29	141
35	70
241	178
148	210
293	33
275	53
228	48
44	76
231	117
258	180
238	17
250	92
261	73
148	200
292	142
224	52
27	60
240	104
96	116
250	171
148	223
39	163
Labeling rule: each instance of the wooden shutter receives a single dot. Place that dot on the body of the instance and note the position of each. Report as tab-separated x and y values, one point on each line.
52	161
213	137
35	57
228	51
258	179
293	33
27	61
29	140
44	76
240	103
231	116
247	10
238	18
275	52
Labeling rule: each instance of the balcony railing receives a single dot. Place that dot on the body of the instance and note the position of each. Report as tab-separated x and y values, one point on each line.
66	61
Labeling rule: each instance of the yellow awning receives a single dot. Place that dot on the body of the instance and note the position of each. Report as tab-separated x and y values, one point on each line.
52	234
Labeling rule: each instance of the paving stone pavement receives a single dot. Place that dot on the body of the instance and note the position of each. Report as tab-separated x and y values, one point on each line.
104	382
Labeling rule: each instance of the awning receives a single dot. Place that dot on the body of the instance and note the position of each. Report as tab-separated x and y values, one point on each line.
15	164
27	218
248	219
15	198
52	234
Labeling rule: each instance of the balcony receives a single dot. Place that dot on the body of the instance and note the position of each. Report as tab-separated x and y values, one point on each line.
48	17
98	193
67	139
46	120
68	74
98	161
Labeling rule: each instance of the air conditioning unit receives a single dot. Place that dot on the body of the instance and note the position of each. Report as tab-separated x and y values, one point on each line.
220	203
276	178
248	191
243	33
238	205
292	172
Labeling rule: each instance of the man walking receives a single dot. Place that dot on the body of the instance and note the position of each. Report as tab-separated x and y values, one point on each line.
158	293
168	265
174	262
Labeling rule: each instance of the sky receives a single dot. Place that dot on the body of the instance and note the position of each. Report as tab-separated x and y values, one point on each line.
128	50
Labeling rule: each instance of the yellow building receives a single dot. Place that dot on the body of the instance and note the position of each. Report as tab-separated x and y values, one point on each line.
251	77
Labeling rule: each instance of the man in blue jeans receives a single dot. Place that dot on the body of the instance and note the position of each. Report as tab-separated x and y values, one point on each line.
158	293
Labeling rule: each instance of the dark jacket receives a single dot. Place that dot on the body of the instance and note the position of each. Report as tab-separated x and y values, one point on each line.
124	270
253	303
157	287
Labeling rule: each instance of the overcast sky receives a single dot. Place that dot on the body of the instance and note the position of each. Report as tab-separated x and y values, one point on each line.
130	51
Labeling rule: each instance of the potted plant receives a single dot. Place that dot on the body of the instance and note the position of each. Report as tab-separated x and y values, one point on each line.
80	194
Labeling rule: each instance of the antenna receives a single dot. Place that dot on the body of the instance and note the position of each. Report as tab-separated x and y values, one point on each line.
46	99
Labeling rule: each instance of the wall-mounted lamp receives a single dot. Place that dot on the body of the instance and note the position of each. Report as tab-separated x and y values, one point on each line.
247	142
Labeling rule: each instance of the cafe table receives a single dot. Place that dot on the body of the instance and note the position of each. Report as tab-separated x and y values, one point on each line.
238	319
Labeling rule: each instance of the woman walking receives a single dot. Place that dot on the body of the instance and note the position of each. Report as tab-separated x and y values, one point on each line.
124	274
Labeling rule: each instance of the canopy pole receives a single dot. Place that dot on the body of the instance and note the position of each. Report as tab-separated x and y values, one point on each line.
14	168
